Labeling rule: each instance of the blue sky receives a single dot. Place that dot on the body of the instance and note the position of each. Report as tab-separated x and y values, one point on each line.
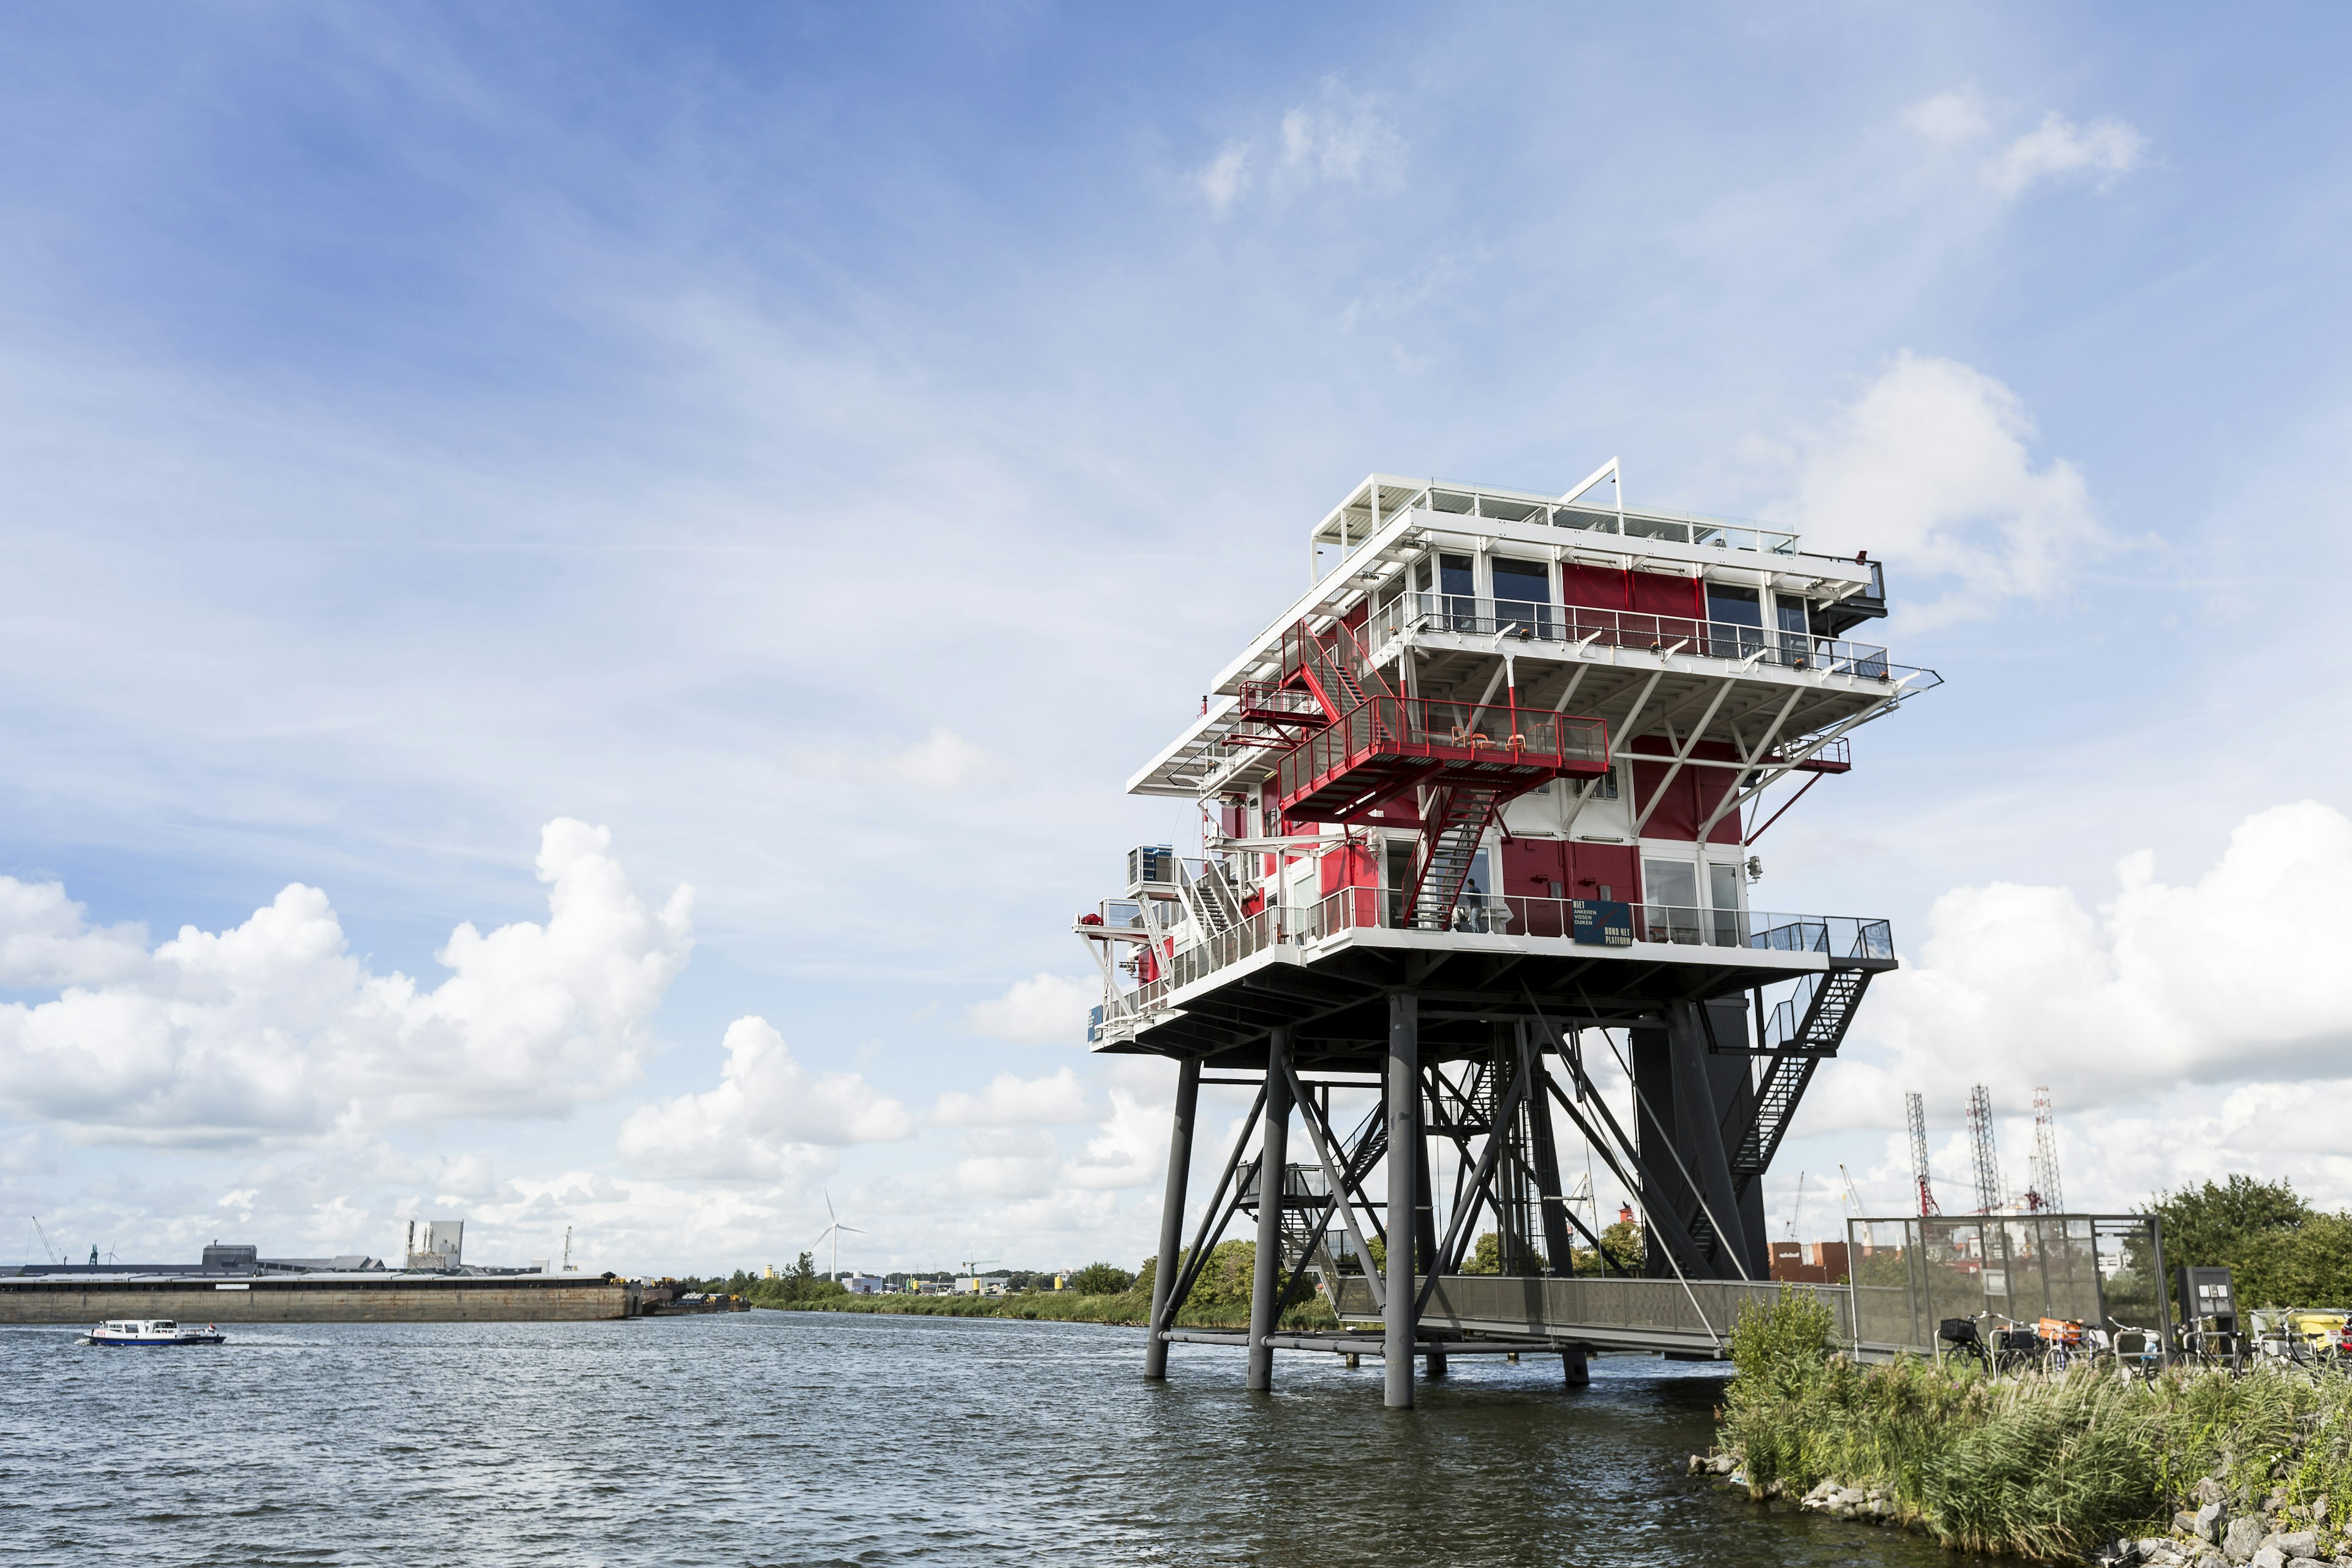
828	450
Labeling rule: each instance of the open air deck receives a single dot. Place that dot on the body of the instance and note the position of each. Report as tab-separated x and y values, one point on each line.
1285	963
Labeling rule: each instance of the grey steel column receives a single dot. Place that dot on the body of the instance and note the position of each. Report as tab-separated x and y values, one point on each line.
1171	1214
1272	1178
1425	1208
1403	1092
1573	1369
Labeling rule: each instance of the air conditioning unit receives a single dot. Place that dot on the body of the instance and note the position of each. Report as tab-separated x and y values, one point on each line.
1150	869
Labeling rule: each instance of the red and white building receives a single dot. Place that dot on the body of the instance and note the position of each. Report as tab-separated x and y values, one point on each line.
1514	751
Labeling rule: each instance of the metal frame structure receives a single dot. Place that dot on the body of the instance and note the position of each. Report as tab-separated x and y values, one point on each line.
1982	1152
1915	1112
1363	769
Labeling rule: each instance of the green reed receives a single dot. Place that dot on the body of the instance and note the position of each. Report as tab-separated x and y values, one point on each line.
2039	1464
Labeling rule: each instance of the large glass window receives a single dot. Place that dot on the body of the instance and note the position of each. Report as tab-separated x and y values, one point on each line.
1457	582
1723	905
1733	611
1523	595
1672	911
1796	634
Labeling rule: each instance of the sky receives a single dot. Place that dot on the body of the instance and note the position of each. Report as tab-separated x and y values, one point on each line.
582	582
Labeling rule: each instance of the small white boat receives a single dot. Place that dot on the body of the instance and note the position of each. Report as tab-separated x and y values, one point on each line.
151	1331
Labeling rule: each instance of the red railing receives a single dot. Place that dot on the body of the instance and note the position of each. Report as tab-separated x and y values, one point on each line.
1440	731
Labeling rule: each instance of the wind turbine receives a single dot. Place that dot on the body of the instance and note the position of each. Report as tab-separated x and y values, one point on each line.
833	1232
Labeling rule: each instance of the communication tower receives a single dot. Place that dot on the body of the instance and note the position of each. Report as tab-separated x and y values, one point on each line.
2045	1153
1916	1113
1981	1148
1479	801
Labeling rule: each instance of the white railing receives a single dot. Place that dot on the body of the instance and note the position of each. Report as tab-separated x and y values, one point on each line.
1376	908
1651	523
1467	614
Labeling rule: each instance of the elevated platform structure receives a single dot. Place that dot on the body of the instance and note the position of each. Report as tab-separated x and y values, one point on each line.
1478	812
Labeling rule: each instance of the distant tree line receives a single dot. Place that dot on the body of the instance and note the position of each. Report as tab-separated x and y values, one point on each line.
2279	1250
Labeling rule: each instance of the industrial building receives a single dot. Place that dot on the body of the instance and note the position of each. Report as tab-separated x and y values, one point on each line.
1479	810
233	1283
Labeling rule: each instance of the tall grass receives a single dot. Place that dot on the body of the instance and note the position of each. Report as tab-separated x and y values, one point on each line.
2039	1466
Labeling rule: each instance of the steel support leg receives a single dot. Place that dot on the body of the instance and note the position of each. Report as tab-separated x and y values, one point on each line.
1573	1368
1272	1178
1401	1314
1171	1213
1424	1214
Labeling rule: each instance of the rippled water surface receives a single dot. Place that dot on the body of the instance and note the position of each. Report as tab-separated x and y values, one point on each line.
772	1438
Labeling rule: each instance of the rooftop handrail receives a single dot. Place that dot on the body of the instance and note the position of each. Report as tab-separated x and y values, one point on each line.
1647	523
1471	616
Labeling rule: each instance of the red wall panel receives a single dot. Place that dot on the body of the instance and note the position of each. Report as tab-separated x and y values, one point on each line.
1656	594
1350	867
1690	799
1615	866
1595	585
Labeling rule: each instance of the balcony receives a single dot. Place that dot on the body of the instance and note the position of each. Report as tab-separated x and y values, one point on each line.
1581	626
1374	909
1386	746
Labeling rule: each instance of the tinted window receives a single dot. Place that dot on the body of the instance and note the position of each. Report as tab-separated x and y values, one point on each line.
1455	576
1791	613
1741	606
1527	581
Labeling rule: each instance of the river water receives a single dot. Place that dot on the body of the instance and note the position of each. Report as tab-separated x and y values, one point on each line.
815	1439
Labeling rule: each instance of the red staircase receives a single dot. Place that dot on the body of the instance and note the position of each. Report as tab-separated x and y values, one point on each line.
1466	760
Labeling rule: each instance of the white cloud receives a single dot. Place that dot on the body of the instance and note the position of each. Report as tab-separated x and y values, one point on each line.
764	1120
45	941
943	763
1955	120
273	1027
1225	179
1044	1010
1010	1101
1340	138
2102	150
1929	470
1007	1162
1130	1150
1950	119
2231	978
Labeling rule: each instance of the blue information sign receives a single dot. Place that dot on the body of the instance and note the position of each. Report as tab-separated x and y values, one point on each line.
1601	923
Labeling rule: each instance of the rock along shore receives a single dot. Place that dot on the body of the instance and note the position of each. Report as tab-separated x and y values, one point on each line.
2211	1530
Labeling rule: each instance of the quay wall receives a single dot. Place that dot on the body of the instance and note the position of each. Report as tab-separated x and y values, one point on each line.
396	1300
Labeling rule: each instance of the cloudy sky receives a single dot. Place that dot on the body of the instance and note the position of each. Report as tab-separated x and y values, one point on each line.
581	581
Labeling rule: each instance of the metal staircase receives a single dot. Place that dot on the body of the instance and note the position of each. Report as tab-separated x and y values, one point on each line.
1828	1004
1455	821
1334	668
1795	1053
1215	908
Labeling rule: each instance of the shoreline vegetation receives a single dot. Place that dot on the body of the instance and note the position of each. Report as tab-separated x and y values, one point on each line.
2199	1467
2196	1467
1220	1298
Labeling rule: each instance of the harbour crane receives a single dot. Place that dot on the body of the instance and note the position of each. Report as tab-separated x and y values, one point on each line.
51	1252
1853	1199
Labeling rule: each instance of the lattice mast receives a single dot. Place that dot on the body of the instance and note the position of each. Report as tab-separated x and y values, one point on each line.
1986	1157
2045	1153
1918	1118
